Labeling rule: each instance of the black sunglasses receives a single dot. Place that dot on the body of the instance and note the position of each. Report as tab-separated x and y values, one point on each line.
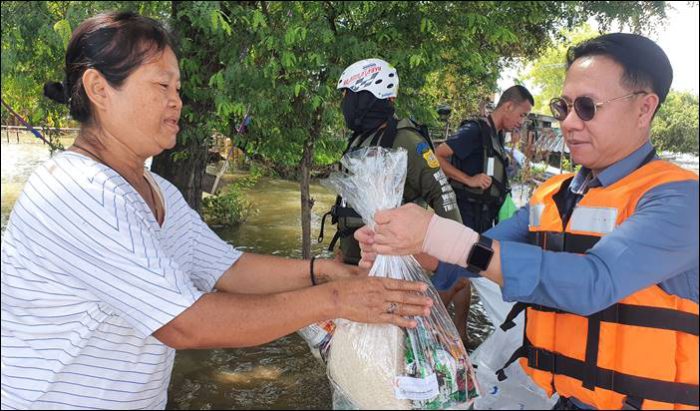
584	106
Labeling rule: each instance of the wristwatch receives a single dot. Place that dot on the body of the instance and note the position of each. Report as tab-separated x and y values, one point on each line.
480	255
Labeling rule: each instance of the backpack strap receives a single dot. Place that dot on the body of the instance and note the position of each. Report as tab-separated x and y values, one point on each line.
484	128
421	130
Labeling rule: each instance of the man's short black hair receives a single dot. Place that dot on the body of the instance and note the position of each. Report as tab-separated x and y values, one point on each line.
516	94
644	63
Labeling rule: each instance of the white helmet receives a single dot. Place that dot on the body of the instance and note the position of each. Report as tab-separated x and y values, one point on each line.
374	75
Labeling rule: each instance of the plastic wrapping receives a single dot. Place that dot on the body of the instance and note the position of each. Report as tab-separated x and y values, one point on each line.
318	336
518	391
374	366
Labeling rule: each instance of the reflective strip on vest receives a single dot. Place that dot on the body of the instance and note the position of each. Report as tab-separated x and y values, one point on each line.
536	211
594	219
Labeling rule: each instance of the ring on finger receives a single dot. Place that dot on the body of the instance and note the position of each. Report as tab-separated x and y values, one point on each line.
392	308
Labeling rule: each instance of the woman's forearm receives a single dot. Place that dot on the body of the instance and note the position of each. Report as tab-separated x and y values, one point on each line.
227	320
262	274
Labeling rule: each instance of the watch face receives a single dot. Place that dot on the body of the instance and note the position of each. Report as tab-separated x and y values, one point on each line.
480	257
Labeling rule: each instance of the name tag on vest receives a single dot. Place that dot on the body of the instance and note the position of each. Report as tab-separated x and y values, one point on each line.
594	219
536	211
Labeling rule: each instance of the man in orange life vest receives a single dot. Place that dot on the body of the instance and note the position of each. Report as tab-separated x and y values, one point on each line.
604	263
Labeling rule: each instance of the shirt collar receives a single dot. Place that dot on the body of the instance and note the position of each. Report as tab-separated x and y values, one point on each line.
613	173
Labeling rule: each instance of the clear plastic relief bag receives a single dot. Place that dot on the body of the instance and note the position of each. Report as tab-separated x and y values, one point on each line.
374	366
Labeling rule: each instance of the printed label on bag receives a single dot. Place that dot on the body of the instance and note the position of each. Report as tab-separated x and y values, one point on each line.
419	389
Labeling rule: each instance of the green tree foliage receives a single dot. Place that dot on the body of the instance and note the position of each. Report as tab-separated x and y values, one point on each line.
32	46
675	127
548	70
288	56
230	207
279	62
203	35
35	35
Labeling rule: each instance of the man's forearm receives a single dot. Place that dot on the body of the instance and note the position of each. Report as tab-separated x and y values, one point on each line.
494	271
458	268
453	243
451	171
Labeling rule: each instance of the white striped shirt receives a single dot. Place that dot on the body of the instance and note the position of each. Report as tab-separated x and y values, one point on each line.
87	276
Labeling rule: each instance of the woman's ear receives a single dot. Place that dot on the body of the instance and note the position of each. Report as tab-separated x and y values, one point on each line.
95	87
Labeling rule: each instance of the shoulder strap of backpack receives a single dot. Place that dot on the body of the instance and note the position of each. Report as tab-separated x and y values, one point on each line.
421	130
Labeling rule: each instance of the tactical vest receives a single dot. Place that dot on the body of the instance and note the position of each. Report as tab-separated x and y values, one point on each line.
492	148
640	353
346	218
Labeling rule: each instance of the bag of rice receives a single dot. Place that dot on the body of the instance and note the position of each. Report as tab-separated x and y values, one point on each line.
383	366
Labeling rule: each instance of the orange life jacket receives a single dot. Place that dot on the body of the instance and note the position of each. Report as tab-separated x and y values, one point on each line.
641	352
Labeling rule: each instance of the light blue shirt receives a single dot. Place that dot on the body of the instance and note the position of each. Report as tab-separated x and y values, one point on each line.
657	244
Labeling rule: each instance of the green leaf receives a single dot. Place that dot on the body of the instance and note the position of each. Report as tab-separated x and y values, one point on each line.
239	109
214	17
258	19
62	27
426	25
289	36
212	79
225	26
316	102
415	60
288	59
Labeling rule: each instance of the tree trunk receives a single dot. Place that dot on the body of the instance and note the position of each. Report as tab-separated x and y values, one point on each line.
185	173
185	164
307	203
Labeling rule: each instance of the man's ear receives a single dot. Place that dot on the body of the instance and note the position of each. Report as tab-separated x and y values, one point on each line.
647	109
96	88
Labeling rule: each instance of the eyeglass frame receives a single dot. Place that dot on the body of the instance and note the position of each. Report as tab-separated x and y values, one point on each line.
571	105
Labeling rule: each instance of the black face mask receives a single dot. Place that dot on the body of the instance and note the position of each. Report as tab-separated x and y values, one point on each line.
364	112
